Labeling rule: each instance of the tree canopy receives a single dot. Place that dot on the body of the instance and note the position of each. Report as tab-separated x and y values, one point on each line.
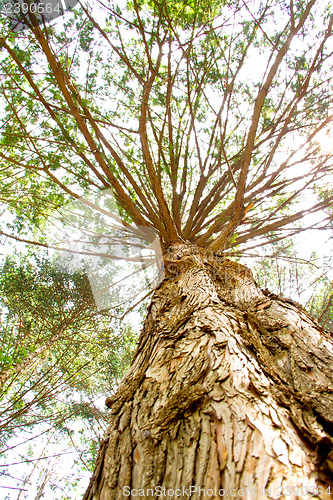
206	122
58	356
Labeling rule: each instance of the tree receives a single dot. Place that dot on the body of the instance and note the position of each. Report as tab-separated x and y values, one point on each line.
57	356
230	386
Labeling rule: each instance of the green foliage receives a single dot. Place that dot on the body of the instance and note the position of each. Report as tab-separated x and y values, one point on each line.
210	46
58	356
184	13
48	310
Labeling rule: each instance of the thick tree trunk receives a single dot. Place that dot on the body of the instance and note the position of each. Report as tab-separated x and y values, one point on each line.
230	392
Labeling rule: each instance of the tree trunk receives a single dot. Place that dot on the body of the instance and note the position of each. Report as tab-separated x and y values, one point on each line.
230	394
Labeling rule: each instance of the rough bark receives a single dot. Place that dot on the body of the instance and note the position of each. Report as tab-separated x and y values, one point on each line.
230	388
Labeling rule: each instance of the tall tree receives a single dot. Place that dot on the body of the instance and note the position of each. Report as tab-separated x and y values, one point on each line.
208	122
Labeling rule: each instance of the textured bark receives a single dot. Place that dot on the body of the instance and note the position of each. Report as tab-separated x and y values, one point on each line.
231	387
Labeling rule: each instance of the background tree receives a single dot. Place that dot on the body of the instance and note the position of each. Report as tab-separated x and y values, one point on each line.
58	355
230	386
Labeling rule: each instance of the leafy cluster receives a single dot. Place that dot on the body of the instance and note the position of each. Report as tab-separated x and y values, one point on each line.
159	101
59	357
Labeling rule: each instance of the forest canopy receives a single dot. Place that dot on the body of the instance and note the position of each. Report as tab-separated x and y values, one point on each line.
140	126
209	124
